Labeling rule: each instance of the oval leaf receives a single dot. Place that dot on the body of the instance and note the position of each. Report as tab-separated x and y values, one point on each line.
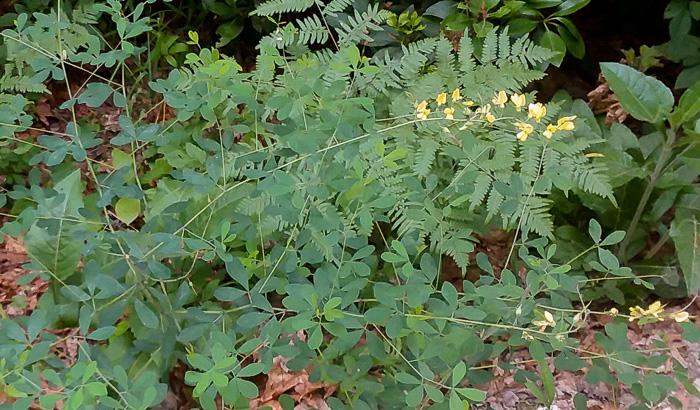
128	209
145	314
643	97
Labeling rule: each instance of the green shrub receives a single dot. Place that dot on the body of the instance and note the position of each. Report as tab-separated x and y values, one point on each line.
316	195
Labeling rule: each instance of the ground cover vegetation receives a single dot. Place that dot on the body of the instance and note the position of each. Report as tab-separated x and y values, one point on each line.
304	200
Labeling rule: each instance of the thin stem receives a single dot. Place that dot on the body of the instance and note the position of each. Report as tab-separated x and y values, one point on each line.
658	171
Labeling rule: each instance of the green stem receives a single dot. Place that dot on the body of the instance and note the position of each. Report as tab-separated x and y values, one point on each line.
658	171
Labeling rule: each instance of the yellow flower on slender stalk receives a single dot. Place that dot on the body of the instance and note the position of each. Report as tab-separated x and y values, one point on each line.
486	111
525	130
565	119
679	316
449	113
455	95
441	99
566	126
518	100
468	103
551	129
501	99
613	312
566	123
422	106
536	111
547	321
636	312
423	115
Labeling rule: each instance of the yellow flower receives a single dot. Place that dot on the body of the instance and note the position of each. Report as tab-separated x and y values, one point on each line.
536	111
500	99
518	100
525	130
441	99
655	309
679	316
528	336
423	115
547	321
636	312
565	119
566	126
468	103
566	123
551	129
613	312
449	113
455	95
490	118
422	106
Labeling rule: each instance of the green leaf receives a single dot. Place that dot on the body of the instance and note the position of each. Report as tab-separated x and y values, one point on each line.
567	360
595	230
316	338
570	7
102	333
613	238
95	94
458	373
685	233
474	395
252	319
689	104
58	252
572	38
552	41
691	333
415	396
128	209
643	97
146	315
406	378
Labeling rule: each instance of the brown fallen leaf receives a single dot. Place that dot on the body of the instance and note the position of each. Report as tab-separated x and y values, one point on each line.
603	100
281	380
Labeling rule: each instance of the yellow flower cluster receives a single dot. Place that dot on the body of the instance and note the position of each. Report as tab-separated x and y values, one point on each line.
486	112
422	110
563	124
535	110
656	311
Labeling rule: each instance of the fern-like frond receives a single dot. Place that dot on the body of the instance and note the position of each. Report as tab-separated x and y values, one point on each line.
536	217
489	50
425	156
336	6
312	31
591	178
466	54
272	7
357	27
445	59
